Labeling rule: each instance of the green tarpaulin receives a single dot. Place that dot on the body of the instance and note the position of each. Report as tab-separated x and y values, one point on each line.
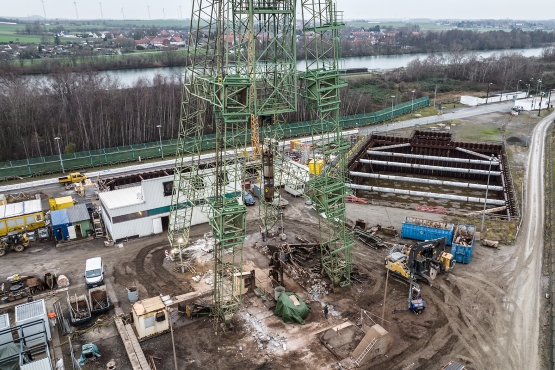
290	313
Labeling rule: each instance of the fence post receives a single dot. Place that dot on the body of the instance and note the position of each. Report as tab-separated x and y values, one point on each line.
90	157
105	158
29	167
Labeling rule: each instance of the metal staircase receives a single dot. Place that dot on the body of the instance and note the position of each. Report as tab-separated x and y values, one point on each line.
365	352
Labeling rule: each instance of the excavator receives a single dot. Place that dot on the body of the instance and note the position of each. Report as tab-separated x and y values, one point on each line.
416	261
423	260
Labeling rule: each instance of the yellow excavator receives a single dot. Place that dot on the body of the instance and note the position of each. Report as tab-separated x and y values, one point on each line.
423	260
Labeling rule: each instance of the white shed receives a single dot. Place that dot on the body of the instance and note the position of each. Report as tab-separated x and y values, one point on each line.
150	317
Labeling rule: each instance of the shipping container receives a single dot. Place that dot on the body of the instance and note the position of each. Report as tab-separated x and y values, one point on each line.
463	243
39	332
5	335
421	229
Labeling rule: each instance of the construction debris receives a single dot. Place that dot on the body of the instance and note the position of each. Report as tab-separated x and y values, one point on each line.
259	331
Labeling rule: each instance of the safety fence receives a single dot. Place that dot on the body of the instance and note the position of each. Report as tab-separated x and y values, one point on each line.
130	153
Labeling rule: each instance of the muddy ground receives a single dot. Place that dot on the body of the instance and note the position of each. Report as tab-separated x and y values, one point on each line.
468	310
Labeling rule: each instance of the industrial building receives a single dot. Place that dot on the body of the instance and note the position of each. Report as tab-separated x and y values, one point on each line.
144	209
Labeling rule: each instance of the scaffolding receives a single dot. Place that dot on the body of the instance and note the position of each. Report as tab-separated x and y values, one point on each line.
321	85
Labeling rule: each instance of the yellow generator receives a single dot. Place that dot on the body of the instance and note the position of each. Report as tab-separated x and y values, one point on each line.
315	166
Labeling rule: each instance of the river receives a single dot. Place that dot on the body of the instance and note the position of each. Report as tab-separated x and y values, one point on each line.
380	62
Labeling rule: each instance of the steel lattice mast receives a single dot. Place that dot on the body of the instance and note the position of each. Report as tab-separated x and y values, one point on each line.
241	66
321	86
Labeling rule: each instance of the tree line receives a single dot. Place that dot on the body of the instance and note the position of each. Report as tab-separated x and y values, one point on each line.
89	111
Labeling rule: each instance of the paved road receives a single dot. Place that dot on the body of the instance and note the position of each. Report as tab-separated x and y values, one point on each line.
519	332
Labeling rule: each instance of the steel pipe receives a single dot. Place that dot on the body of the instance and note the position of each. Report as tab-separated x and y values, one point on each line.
425	194
392	146
476	154
433	168
491	210
426	181
432	157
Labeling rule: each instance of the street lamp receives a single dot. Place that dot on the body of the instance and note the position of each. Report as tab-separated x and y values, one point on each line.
486	200
412	106
541	98
516	95
528	93
392	99
487	95
60	152
160	133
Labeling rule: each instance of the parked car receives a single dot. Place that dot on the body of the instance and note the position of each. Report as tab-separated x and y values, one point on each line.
249	200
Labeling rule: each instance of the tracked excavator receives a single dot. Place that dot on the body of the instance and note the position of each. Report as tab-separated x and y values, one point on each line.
423	260
415	262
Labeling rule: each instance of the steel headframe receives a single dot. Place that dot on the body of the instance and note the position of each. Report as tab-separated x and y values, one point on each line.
321	84
264	48
225	85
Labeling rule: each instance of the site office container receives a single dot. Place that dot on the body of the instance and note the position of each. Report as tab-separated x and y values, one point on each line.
32	312
462	253
422	229
5	335
20	217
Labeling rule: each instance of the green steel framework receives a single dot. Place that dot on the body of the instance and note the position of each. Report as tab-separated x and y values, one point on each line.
321	84
241	59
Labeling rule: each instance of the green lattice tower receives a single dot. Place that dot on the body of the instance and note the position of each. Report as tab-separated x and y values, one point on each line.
223	88
264	49
321	84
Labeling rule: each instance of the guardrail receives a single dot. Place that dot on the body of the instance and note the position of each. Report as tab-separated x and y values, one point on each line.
11	170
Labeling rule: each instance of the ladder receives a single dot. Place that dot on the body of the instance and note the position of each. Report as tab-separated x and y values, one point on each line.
365	352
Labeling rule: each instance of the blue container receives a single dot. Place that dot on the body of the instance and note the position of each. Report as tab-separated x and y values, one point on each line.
463	253
420	229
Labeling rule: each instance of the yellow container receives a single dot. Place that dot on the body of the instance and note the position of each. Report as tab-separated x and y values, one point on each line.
315	166
60	203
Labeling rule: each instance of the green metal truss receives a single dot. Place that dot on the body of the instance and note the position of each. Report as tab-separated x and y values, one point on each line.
321	87
241	62
264	48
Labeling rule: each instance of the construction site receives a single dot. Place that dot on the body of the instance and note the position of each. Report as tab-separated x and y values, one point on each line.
391	247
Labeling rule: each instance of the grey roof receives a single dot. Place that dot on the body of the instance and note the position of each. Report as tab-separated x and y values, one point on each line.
31	310
454	365
4	321
78	213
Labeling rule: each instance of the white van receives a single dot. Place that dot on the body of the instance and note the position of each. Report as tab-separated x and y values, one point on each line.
94	272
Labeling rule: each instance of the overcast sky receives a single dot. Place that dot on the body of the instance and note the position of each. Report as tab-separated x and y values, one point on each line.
354	9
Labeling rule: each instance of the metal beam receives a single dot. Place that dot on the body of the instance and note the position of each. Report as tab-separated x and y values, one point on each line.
476	154
432	157
426	167
426	194
426	181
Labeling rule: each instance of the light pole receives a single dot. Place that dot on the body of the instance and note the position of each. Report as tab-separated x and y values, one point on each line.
412	105
528	93
160	133
487	95
486	200
60	152
392	99
516	95
541	98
